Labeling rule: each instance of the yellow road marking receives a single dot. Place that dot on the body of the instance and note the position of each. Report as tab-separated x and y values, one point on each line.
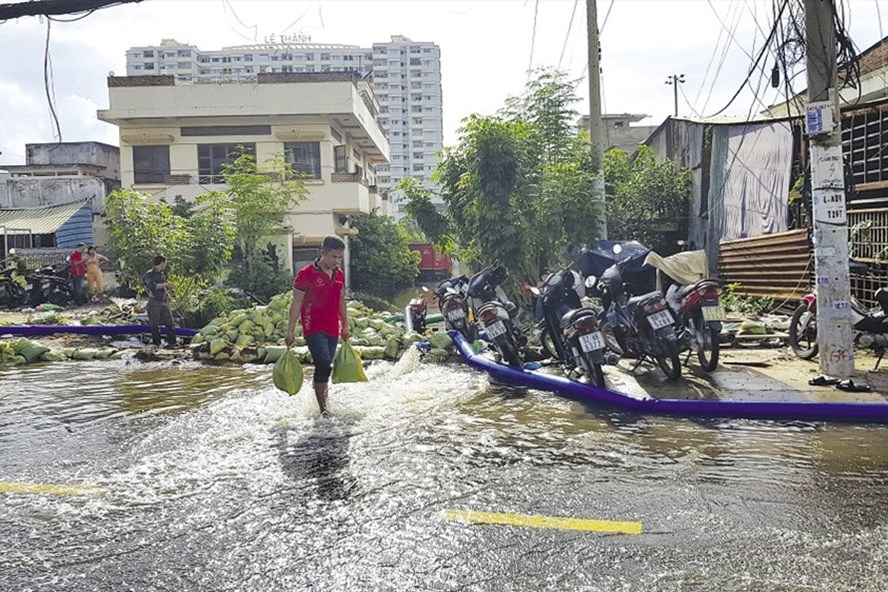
474	517
63	489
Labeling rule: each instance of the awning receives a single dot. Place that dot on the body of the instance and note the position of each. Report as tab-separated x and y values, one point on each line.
44	220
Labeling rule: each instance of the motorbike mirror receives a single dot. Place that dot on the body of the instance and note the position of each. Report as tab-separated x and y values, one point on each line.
554	279
451	290
424	289
535	291
590	281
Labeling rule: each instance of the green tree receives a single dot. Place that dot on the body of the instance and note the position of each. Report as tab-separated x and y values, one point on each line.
647	201
422	212
198	247
381	262
518	185
261	197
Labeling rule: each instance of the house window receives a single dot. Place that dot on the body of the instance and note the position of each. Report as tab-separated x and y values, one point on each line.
340	159
148	54
304	157
211	159
151	164
335	134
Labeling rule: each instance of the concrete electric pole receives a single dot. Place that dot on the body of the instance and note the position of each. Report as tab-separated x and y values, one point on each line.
596	128
823	126
675	80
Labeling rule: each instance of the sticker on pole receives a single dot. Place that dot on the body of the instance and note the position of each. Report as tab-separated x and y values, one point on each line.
819	118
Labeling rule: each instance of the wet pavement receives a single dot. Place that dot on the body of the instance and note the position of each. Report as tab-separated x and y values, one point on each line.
209	479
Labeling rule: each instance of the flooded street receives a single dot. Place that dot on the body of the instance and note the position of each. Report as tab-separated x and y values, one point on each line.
207	478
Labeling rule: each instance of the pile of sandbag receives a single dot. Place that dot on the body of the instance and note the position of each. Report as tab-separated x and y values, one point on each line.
14	352
257	334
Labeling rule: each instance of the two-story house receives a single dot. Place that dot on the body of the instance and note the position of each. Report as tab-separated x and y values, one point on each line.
175	138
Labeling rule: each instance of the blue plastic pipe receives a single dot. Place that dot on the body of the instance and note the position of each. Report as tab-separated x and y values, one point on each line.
802	410
33	330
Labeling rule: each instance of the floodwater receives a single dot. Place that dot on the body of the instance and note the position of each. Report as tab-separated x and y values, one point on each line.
207	478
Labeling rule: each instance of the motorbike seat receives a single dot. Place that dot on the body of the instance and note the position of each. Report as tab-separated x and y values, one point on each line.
572	315
881	297
636	300
685	290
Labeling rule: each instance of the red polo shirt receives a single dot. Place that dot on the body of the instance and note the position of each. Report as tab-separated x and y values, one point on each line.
78	266
320	306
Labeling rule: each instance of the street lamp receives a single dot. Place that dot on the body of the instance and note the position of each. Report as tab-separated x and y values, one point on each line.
675	80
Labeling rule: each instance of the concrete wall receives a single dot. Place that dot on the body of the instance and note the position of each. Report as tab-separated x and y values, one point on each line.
34	192
66	153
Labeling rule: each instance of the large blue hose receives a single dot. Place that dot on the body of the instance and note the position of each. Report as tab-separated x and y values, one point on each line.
33	330
813	411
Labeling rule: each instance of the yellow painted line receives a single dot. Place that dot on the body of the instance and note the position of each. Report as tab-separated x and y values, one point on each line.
49	488
474	517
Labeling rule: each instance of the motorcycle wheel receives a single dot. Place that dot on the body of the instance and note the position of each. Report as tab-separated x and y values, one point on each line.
803	332
509	354
59	297
593	371
707	345
614	342
668	361
548	344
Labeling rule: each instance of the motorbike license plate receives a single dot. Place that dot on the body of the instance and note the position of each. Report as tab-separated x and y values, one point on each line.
456	314
659	320
714	313
592	341
496	329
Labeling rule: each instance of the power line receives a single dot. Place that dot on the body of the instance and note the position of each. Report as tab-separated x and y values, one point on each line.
536	7
567	35
757	59
48	86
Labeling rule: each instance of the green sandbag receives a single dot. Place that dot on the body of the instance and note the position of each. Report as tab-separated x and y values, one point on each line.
440	340
287	373
347	366
216	346
29	349
391	348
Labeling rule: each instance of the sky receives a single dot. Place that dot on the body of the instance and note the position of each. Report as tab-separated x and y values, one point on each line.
488	48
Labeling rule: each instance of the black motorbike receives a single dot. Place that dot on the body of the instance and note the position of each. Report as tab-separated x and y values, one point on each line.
51	283
453	300
639	326
494	312
569	331
12	294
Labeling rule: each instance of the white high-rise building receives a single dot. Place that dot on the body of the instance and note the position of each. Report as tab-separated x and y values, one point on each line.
406	80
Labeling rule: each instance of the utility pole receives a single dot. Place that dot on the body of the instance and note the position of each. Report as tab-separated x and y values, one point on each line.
823	126
596	128
675	80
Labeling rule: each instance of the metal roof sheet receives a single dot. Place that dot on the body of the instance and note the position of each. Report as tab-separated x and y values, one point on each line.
45	220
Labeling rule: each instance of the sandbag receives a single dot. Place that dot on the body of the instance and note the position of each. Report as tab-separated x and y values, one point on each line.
347	365
287	373
29	349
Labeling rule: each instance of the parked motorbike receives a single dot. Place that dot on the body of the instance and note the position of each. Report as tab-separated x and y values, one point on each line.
51	283
12	294
493	309
569	331
694	298
640	326
870	326
453	300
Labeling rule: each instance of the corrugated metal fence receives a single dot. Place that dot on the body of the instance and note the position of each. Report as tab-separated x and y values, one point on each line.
777	265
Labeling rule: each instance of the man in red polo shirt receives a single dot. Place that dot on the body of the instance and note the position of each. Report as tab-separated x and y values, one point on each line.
319	301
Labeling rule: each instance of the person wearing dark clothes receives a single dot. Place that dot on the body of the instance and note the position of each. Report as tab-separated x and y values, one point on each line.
156	283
